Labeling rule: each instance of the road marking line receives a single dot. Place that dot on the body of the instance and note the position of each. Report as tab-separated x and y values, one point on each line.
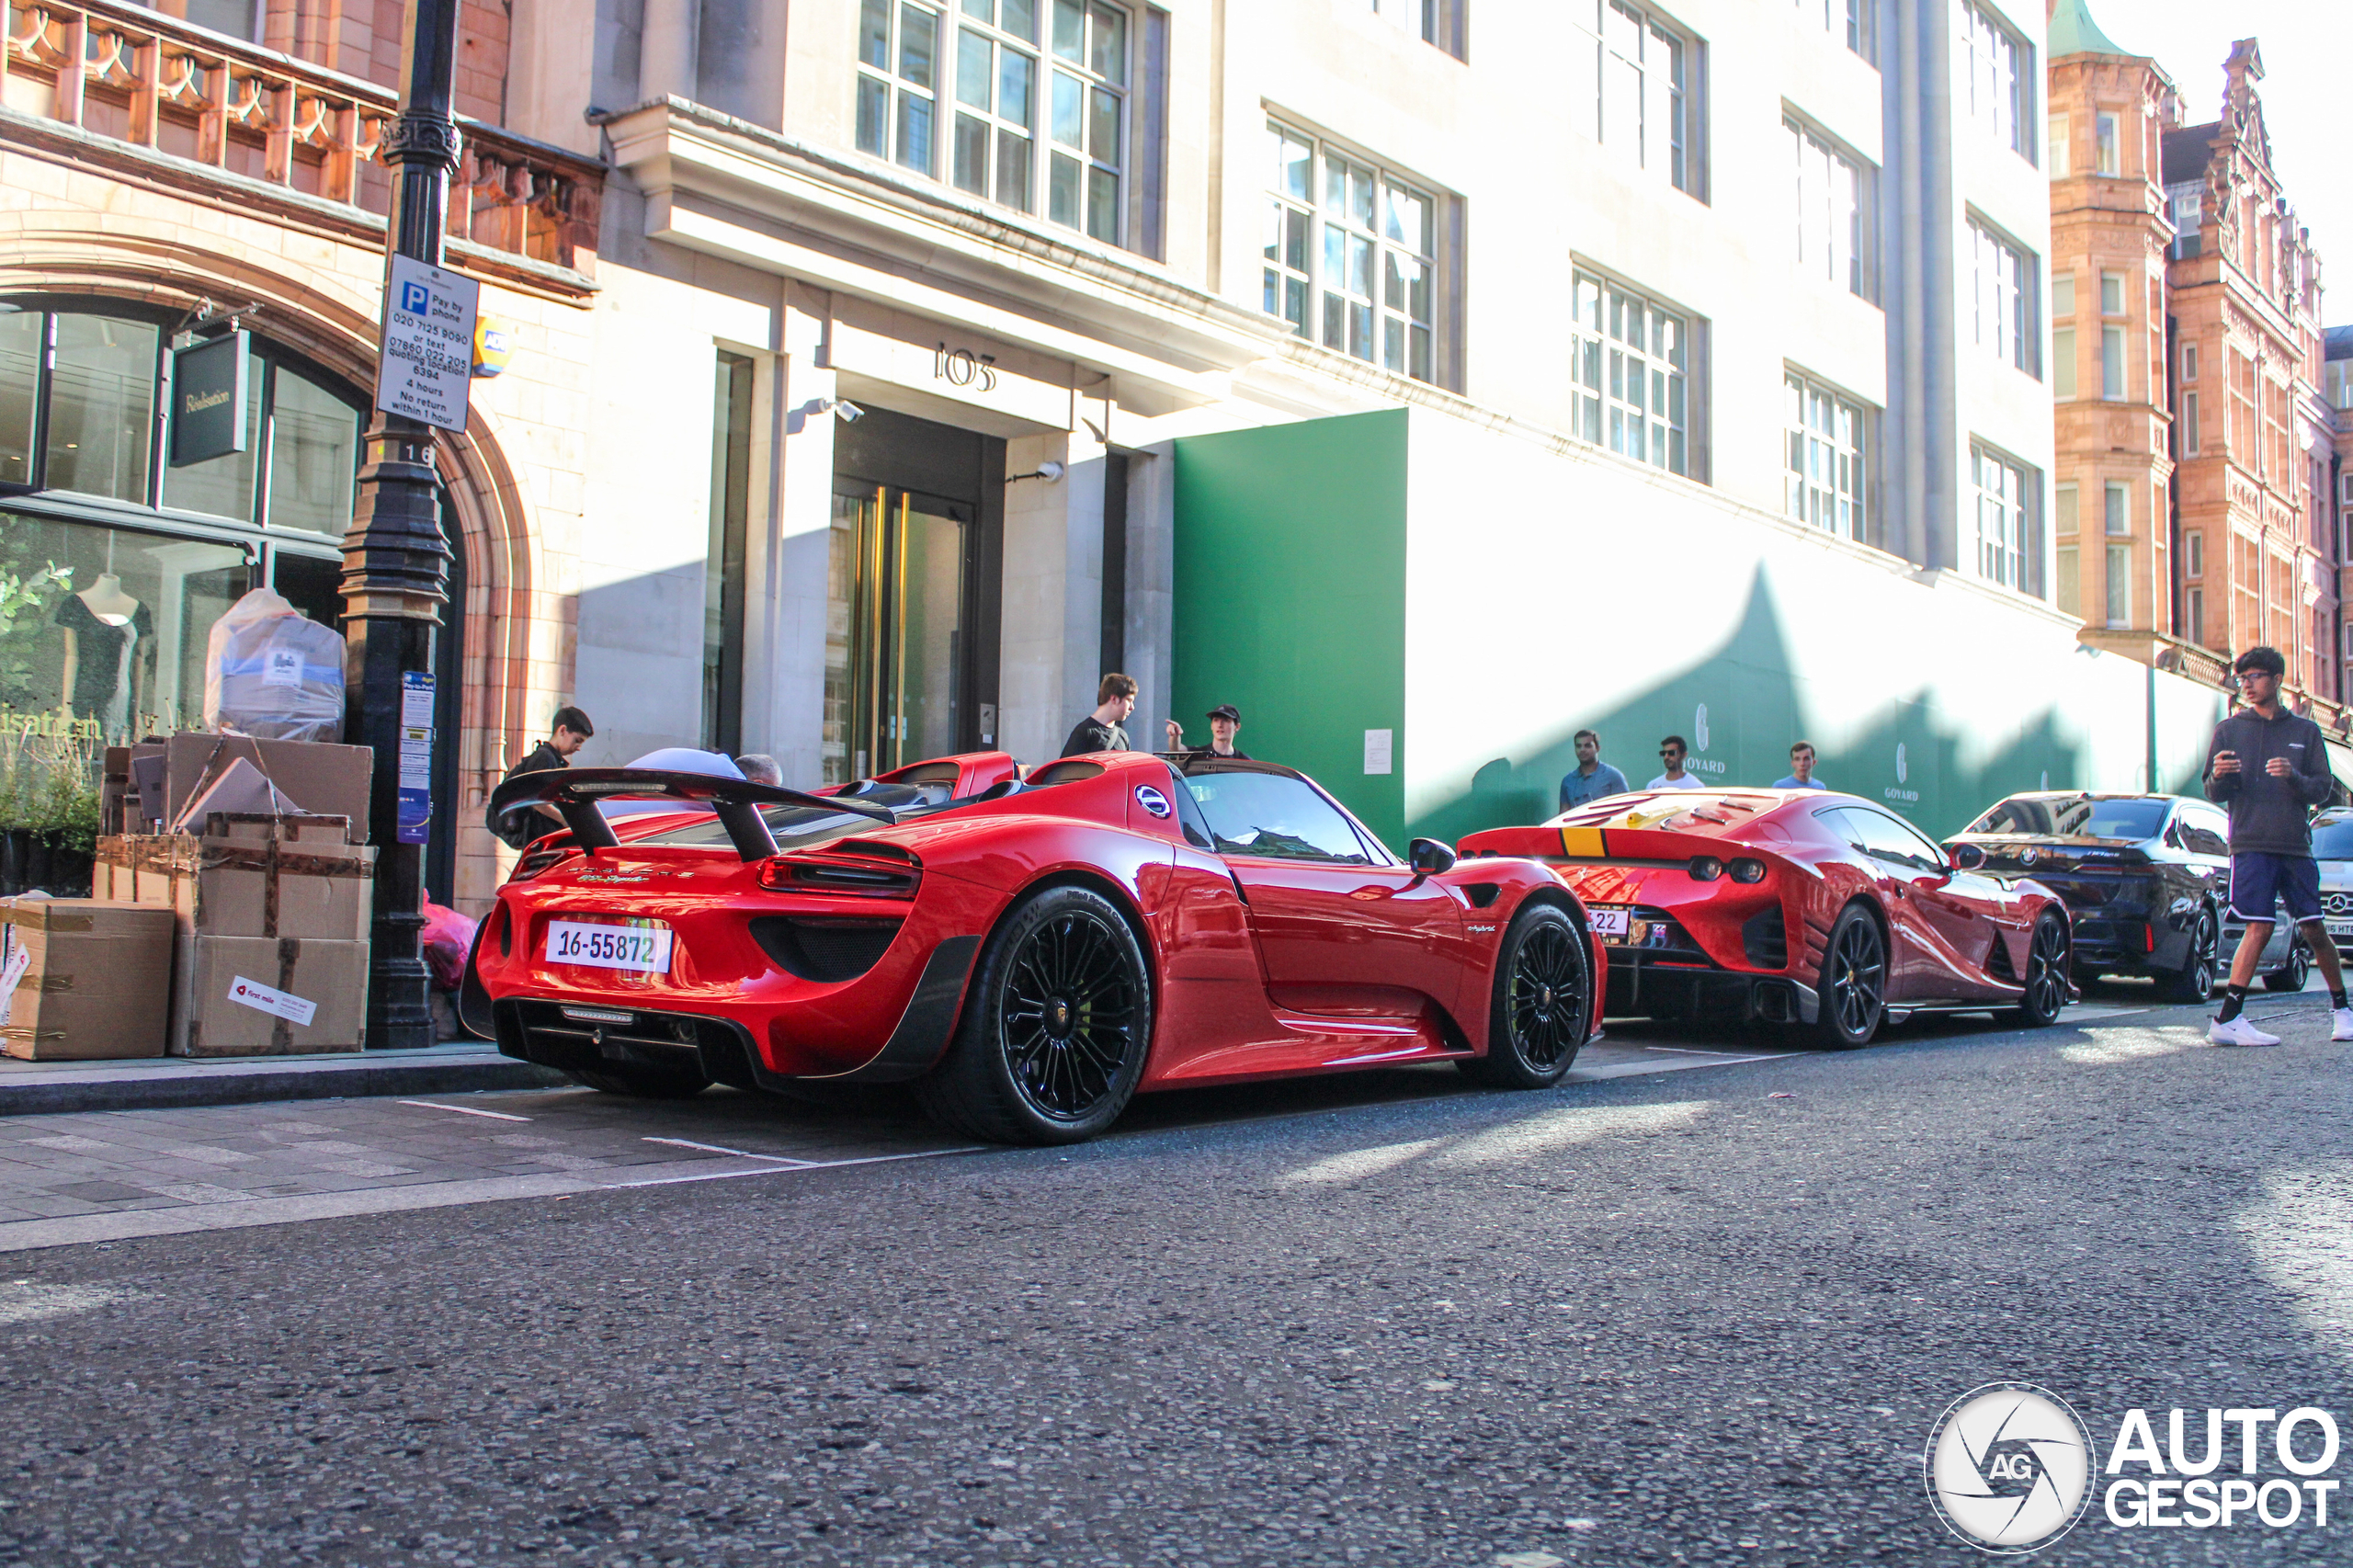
467	1111
805	1166
716	1149
1737	1056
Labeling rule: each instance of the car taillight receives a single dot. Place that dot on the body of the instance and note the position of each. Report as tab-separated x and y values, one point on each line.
1747	870
538	861
870	878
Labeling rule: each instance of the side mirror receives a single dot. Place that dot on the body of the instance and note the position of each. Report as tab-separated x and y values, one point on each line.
1428	856
1968	856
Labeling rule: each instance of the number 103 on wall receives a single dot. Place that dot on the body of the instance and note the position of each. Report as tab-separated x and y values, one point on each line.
963	367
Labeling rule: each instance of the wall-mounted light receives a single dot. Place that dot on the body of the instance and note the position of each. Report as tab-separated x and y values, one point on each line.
1049	471
841	408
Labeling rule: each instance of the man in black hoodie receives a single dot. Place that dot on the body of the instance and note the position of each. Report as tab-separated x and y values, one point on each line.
2271	769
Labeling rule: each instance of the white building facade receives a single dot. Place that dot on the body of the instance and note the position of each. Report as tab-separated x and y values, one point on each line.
1787	256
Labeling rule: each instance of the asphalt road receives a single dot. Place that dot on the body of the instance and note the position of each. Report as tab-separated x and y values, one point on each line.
1704	1316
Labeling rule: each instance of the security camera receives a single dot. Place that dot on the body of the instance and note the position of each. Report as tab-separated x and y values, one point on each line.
1049	471
848	412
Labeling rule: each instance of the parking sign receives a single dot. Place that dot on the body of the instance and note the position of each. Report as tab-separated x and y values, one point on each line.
427	363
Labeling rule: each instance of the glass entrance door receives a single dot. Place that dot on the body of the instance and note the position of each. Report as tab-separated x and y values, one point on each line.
894	630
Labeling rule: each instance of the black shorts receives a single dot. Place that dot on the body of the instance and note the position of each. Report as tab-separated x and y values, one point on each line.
2260	882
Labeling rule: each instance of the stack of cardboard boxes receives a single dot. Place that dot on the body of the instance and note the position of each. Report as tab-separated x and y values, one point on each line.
254	849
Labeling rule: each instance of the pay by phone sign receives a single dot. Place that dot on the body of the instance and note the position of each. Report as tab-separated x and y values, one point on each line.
427	363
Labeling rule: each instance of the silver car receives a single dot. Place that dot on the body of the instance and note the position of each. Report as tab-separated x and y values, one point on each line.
2333	848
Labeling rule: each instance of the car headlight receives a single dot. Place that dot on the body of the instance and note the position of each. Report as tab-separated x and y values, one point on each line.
1747	870
1706	868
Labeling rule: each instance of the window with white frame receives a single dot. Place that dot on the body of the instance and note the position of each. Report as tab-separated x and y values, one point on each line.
2063	505
2116	509
1350	258
1633	365
2001	77
1828	435
2190	361
2004	505
2184	207
2190	443
1025	103
1831	189
1850	21
2193	611
2119	585
1631	85
2111	362
2107	139
2059	146
2193	554
2069	595
2002	320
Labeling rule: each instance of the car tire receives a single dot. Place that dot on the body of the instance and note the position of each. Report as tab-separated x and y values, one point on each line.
1853	995
1540	1011
2045	991
644	1083
2194	980
1055	1029
2291	975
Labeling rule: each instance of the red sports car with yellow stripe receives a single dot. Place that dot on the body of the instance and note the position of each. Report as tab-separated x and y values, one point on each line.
1796	906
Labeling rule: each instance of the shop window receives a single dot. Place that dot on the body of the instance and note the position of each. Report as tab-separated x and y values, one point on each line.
78	398
106	631
104	620
101	386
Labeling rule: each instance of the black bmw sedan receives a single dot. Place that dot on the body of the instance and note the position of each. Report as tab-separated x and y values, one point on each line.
2147	877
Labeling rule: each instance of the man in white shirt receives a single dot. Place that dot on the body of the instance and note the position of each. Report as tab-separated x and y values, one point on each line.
1671	751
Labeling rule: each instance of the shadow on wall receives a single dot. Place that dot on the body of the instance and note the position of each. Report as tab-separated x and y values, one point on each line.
1739	707
638	668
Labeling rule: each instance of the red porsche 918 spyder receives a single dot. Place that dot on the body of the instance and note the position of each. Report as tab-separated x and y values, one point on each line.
1796	906
1030	954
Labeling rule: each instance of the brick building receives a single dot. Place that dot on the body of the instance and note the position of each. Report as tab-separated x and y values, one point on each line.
2194	496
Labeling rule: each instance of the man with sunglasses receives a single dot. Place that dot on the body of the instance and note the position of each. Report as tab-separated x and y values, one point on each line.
1671	751
2270	767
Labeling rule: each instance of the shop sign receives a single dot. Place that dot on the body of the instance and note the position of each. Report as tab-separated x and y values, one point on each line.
208	399
427	363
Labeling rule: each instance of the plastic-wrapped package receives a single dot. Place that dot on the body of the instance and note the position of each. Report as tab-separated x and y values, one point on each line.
273	673
447	941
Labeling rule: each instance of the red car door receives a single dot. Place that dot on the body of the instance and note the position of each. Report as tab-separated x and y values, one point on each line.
1943	935
1341	930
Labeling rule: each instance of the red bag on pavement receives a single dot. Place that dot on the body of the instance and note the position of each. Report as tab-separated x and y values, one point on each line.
448	937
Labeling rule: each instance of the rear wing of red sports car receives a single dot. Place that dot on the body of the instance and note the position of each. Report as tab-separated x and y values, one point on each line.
1704	855
576	792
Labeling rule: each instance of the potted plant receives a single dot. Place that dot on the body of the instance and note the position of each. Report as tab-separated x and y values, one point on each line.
49	812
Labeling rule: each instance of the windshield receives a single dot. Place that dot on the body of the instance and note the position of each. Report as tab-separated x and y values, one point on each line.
2332	839
2073	816
805	827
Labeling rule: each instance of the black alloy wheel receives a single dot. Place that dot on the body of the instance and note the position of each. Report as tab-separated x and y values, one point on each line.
2291	975
2194	980
1055	1026
1854	981
2046	973
644	1083
1541	1012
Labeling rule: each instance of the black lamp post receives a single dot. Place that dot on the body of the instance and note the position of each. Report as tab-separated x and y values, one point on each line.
395	566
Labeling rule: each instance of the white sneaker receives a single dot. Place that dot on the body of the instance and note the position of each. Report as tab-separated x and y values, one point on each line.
2240	1030
2343	1030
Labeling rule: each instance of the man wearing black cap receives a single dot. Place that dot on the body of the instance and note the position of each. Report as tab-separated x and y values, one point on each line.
1225	722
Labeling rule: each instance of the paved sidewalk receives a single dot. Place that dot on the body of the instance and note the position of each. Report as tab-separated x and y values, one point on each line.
154	1083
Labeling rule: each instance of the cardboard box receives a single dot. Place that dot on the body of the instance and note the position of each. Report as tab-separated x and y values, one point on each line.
256	996
247	876
92	978
325	780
